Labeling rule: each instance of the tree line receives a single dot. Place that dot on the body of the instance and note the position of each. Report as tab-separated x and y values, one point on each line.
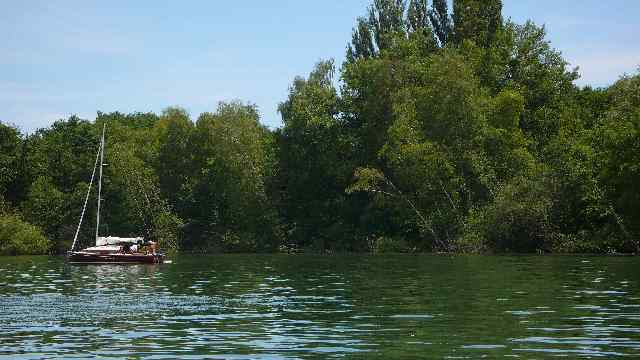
445	130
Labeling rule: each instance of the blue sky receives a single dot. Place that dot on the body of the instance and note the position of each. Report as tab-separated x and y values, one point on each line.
59	58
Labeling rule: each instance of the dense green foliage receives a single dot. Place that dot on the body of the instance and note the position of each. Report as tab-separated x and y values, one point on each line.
18	237
447	132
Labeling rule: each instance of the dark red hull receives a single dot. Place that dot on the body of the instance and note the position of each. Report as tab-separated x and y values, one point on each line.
80	257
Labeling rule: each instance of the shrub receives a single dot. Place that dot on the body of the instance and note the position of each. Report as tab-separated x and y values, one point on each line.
21	238
517	220
386	245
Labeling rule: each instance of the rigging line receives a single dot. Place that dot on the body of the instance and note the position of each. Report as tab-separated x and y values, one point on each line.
86	200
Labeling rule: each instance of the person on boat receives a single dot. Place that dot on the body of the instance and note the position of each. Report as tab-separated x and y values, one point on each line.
134	248
150	247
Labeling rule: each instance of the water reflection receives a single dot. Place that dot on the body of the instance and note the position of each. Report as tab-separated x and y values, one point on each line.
321	307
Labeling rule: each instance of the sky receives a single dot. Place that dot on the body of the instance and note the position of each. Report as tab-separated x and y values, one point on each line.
72	57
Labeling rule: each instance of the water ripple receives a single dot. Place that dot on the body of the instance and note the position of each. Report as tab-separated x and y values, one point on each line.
292	307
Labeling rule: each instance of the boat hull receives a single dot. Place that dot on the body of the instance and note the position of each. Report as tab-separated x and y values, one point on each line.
81	257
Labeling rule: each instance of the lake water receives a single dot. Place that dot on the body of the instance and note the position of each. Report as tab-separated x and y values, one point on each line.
291	307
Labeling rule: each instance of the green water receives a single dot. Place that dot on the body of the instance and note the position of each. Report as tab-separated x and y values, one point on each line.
290	307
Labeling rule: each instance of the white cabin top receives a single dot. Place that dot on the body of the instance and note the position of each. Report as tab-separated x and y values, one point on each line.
113	240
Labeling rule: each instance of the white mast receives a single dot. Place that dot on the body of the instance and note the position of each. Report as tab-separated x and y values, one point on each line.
104	127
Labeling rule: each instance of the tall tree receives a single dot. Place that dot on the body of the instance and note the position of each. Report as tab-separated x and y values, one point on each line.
476	20
10	162
386	18
174	164
543	77
419	25
140	206
231	210
617	140
418	15
315	164
385	21
362	45
441	21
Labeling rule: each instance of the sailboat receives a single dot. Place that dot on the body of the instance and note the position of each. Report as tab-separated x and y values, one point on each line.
110	249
